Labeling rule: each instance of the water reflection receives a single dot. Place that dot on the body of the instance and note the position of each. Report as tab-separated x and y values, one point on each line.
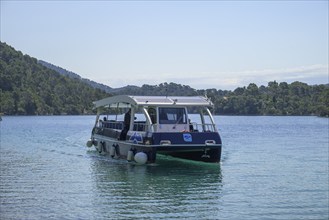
170	189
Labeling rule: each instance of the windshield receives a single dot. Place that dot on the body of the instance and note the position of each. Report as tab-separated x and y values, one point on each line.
172	116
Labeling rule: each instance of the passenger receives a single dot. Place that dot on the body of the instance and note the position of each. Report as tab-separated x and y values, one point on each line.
152	114
104	123
191	125
126	124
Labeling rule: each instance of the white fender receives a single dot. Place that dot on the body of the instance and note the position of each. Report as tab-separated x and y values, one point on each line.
130	155
112	151
101	146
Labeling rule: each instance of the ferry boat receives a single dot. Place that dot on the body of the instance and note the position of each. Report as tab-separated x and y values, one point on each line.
137	128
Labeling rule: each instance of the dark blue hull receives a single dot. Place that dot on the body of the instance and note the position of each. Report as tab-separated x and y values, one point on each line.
204	154
198	146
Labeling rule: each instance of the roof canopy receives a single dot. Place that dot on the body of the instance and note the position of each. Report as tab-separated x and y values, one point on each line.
124	101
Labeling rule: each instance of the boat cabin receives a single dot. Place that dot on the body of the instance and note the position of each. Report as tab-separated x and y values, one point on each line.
155	114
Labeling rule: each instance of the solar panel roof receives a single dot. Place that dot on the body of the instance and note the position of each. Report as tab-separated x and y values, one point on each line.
125	100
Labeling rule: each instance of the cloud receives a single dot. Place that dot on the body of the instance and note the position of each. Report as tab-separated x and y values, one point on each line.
313	74
295	72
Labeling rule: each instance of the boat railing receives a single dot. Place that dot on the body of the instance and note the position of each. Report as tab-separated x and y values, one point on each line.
111	124
143	126
140	126
193	127
119	125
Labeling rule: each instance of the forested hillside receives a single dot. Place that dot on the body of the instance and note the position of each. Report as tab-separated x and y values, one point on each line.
72	75
276	98
28	88
282	98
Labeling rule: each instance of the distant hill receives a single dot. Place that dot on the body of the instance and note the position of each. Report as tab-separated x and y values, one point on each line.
161	89
133	90
29	88
32	87
73	75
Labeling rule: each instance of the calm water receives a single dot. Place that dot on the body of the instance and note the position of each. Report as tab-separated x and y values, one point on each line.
272	168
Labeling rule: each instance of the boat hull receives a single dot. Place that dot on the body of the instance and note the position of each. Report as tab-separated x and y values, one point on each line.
198	146
203	154
206	149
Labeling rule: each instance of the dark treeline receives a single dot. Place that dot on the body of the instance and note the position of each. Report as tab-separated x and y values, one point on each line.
276	98
29	88
282	98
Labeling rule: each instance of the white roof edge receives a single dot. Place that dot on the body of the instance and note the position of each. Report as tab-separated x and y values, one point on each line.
113	100
155	101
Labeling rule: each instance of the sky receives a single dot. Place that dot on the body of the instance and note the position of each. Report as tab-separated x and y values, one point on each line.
203	44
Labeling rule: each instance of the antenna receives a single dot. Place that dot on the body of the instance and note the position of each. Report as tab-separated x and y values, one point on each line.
205	94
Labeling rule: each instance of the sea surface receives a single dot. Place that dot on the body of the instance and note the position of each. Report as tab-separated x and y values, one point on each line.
271	168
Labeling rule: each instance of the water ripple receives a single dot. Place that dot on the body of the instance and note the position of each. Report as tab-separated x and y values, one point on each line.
271	169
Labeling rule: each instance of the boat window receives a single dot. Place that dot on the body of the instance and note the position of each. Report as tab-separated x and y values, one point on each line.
172	116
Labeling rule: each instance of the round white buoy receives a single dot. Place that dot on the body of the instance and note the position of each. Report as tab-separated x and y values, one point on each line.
89	143
141	157
130	155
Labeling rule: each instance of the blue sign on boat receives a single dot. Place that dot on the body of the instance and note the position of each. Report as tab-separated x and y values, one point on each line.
136	137
187	137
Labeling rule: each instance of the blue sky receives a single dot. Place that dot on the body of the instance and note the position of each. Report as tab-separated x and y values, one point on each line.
204	44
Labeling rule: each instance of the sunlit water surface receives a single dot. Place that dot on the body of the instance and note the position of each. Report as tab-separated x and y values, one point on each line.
272	168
